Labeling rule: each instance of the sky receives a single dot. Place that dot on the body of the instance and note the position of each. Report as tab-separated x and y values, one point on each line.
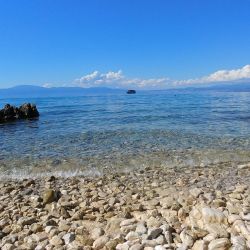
121	43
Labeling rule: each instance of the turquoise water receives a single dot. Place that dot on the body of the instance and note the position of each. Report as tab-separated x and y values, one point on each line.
97	133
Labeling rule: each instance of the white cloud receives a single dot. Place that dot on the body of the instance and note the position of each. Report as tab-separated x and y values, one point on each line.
47	85
220	76
116	79
96	79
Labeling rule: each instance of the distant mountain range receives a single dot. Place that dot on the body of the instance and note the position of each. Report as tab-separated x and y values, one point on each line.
36	91
236	87
26	91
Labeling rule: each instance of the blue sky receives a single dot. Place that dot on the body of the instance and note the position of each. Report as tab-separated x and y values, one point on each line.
146	43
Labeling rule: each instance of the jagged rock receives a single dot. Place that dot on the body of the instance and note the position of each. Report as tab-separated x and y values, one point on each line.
11	113
28	110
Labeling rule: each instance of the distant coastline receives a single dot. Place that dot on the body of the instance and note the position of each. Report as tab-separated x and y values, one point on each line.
23	91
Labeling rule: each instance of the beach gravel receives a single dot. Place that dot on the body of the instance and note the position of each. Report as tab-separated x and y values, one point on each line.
153	208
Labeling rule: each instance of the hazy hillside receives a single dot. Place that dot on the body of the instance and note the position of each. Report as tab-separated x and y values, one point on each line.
36	91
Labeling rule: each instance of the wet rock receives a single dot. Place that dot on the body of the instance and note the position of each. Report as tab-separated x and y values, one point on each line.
11	113
28	110
49	196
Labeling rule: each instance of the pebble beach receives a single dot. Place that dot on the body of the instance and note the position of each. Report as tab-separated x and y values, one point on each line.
201	207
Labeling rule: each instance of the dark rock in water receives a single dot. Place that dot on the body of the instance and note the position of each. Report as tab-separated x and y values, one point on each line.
11	113
28	110
131	91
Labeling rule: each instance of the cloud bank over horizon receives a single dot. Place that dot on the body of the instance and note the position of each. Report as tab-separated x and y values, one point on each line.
117	79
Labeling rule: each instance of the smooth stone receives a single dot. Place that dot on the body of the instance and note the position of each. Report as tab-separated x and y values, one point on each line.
100	242
159	247
140	228
232	218
49	196
123	246
127	222
238	243
26	221
199	245
56	240
136	247
131	236
195	192
186	239
241	228
154	233
8	246
96	233
245	216
68	238
219	244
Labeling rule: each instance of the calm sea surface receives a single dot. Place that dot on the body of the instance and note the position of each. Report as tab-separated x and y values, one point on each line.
97	133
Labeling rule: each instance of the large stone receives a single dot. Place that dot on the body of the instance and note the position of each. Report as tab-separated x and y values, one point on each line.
186	239
100	242
49	196
68	238
28	110
209	219
96	233
56	241
8	246
132	236
195	192
127	222
241	228
10	113
154	233
26	221
238	243
199	245
136	247
219	244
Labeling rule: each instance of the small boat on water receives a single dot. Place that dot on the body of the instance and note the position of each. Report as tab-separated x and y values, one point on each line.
131	91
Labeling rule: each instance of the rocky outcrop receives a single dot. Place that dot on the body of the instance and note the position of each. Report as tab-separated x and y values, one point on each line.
12	113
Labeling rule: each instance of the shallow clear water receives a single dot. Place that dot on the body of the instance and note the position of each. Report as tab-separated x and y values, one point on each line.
110	132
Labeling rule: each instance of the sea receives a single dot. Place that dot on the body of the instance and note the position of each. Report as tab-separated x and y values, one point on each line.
101	133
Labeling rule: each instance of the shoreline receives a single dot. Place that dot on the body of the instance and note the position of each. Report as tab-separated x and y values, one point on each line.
152	208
